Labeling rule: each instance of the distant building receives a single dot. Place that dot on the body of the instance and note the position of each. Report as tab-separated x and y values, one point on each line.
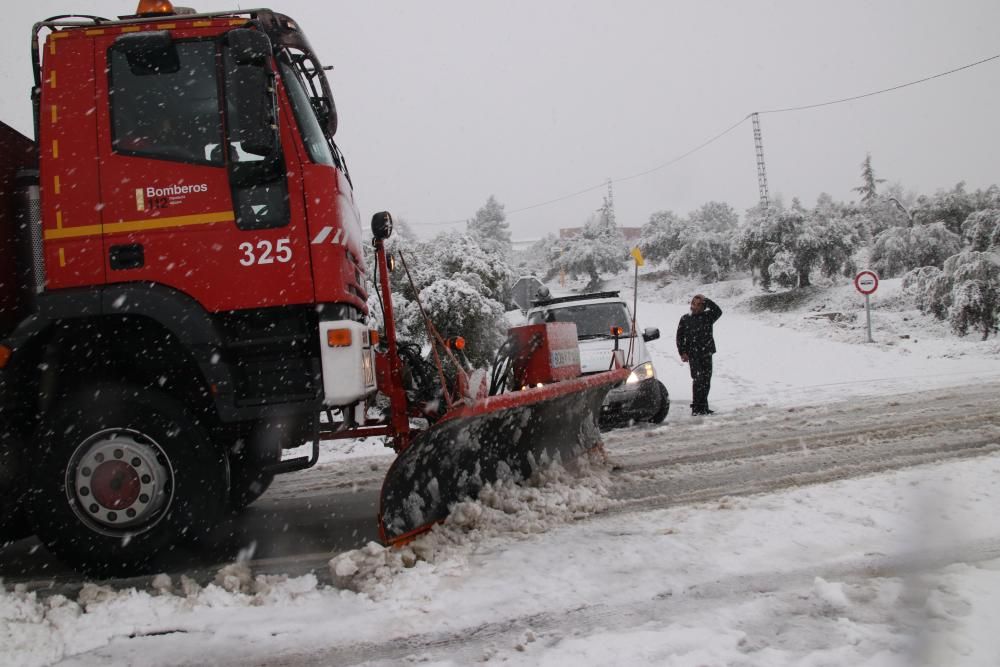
630	233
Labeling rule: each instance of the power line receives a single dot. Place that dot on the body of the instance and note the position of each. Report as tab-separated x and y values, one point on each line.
723	133
680	157
666	164
883	90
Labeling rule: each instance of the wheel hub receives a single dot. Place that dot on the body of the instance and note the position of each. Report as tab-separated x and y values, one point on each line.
119	479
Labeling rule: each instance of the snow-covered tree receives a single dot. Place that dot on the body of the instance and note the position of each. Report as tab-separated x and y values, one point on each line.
988	198
779	244
966	291
782	270
975	307
599	248
705	254
869	184
981	230
831	242
464	289
661	235
899	249
930	289
760	241
460	256
489	226
951	207
457	308
714	216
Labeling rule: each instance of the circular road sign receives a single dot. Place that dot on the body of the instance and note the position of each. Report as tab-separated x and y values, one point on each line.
866	282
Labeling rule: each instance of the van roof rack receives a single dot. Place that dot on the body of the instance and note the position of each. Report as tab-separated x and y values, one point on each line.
576	297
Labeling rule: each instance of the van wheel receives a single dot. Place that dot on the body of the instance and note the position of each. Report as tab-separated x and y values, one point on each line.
125	474
664	409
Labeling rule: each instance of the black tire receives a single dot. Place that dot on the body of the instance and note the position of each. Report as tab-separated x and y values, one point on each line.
125	474
664	409
13	522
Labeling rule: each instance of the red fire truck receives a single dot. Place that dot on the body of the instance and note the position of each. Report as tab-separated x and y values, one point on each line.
183	293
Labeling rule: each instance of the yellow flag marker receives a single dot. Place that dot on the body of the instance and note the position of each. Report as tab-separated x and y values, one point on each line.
637	256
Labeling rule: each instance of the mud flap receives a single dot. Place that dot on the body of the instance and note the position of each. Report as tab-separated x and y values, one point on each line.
501	436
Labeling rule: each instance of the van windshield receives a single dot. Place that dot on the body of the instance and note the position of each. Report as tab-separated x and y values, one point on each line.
592	320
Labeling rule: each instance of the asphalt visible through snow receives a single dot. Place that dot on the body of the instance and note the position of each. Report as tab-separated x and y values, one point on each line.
308	517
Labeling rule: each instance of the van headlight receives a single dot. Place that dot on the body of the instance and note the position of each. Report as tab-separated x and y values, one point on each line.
641	372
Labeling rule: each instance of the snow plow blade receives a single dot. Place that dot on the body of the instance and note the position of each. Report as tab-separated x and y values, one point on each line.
509	434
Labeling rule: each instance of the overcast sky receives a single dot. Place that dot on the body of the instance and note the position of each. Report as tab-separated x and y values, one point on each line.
445	103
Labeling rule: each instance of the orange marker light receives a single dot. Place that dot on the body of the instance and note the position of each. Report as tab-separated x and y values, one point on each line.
153	7
338	337
617	331
5	353
456	343
373	337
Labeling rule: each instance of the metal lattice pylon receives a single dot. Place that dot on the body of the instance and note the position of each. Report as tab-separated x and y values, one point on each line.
610	205
761	169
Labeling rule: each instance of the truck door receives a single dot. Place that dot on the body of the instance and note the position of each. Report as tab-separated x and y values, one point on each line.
169	178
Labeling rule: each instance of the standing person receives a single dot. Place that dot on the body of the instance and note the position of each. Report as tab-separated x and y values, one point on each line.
696	345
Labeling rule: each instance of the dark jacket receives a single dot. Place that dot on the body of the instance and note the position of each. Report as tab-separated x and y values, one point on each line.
694	333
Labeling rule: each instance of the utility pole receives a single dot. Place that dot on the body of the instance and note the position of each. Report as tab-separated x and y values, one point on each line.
609	205
758	143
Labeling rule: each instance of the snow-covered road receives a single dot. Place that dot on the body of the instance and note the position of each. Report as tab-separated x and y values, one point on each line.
679	568
840	510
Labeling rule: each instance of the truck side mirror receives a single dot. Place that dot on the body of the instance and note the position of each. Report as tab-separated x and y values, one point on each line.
150	52
249	47
652	333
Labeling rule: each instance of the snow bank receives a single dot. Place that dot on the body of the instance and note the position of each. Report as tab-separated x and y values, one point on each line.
503	511
36	632
864	571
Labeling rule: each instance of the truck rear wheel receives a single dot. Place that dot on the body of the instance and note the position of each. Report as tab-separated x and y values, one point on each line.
125	474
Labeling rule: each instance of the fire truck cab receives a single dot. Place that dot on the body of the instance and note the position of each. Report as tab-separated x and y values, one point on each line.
187	289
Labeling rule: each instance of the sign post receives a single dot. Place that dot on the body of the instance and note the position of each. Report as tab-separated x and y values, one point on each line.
639	261
866	282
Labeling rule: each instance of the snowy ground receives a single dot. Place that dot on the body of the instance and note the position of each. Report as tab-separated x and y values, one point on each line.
801	355
898	568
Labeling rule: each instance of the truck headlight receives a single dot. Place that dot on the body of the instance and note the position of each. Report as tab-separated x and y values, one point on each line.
641	372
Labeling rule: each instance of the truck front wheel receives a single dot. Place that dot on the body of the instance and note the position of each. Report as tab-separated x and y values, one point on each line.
125	474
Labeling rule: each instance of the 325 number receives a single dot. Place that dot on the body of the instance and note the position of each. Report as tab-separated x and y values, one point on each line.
264	252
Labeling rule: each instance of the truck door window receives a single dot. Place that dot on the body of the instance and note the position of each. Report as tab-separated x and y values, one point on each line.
168	115
258	180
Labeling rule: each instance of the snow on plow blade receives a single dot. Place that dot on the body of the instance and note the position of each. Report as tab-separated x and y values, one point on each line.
476	444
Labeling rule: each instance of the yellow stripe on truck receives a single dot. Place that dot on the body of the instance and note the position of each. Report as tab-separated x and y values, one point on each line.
140	225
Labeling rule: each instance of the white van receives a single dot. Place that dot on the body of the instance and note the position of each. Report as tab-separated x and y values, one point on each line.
642	397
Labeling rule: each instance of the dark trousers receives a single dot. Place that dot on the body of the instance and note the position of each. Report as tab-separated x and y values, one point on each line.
701	376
